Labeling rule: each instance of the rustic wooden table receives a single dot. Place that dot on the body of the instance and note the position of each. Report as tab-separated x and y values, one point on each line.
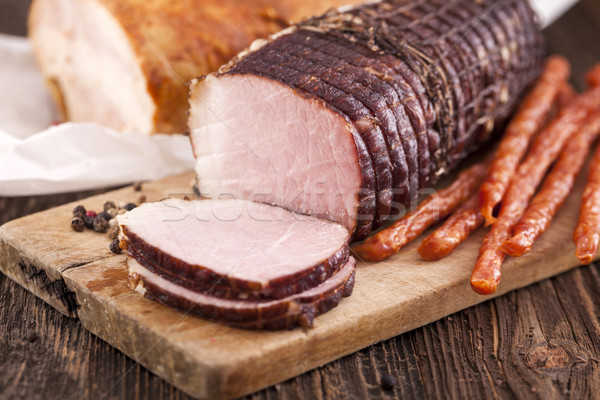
539	342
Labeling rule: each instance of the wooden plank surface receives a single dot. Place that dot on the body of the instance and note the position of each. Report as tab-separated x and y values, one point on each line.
79	276
538	342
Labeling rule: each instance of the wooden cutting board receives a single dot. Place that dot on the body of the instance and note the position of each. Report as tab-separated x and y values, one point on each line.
78	275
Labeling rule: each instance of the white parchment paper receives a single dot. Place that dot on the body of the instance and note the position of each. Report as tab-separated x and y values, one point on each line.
37	157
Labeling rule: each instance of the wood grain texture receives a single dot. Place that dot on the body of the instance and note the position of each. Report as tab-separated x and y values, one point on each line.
79	276
537	342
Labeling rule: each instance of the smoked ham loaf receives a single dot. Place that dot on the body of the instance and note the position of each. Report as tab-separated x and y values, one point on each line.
347	116
247	264
125	63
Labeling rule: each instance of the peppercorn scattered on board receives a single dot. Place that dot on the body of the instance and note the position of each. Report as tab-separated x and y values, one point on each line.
76	273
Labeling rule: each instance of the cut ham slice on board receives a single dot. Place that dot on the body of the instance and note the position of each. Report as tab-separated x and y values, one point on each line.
286	313
249	264
220	287
252	247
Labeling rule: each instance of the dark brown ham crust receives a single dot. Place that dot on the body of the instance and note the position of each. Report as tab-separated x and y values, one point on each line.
367	105
423	83
287	313
202	275
401	105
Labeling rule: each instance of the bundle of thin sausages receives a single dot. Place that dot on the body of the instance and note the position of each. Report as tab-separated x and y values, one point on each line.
549	136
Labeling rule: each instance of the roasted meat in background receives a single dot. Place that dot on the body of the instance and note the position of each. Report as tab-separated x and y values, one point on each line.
125	64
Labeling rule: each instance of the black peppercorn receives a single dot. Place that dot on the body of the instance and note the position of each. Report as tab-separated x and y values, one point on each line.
129	206
77	224
114	246
100	224
113	232
108	205
104	215
89	221
388	381
79	211
112	212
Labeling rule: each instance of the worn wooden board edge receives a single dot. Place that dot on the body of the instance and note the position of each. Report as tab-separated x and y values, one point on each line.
244	376
188	352
23	242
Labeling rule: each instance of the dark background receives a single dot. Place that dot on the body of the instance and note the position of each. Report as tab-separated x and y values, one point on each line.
541	342
13	16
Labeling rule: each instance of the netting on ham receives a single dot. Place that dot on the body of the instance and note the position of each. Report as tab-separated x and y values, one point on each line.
349	115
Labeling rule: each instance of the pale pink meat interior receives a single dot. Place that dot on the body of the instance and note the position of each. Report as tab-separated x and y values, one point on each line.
250	241
257	139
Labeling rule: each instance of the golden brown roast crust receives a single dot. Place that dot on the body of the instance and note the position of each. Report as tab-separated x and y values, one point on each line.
175	41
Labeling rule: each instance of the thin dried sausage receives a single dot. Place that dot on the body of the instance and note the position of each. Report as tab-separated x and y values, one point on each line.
464	220
587	231
528	120
389	241
486	273
566	94
556	188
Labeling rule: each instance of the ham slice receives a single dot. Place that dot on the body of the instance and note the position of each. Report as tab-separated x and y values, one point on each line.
250	250
220	288
286	313
126	63
348	116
